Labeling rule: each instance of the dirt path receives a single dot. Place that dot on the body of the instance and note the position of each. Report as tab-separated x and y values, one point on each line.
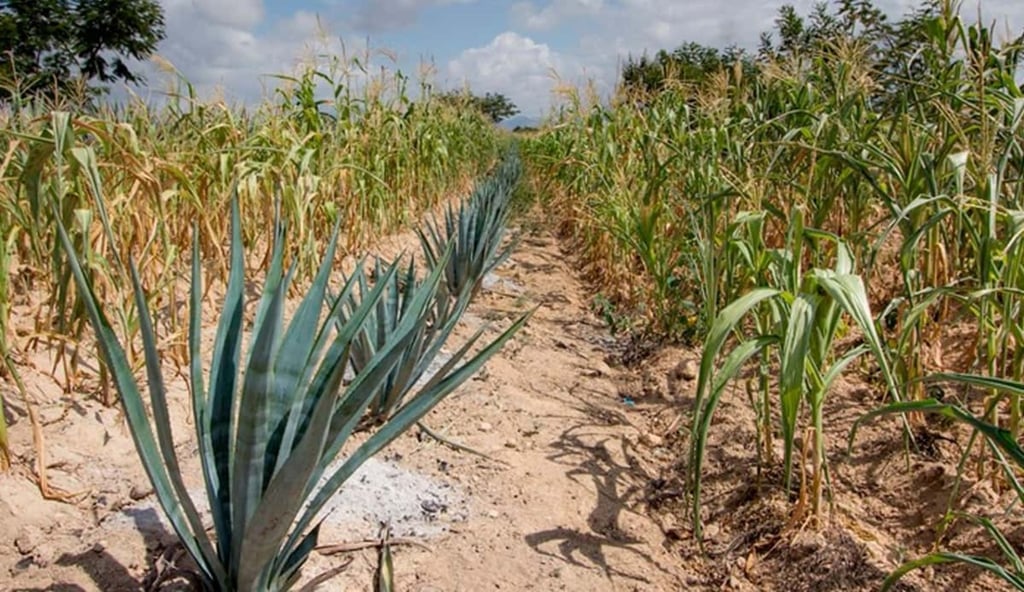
559	516
554	510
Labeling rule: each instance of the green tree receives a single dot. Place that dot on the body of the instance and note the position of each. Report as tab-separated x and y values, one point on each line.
50	43
497	107
689	63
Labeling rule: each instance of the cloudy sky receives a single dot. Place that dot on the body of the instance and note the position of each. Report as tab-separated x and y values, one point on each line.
515	47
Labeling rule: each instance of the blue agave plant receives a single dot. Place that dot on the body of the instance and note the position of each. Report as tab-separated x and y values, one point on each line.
269	426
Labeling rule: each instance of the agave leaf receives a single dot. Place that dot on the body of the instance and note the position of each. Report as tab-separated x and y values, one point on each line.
475	229
254	427
219	509
362	390
272	516
338	353
293	563
135	411
342	417
438	316
456	356
297	356
217	419
162	421
300	471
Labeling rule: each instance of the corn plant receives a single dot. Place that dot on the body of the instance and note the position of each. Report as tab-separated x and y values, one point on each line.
266	436
1004	448
806	314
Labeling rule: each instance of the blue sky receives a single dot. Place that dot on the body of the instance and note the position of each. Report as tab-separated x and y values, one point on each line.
522	48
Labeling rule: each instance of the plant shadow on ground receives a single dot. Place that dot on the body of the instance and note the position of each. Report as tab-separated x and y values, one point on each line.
108	573
589	452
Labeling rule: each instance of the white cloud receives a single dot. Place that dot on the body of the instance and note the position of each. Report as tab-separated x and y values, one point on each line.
554	13
384	15
241	14
513	65
227	47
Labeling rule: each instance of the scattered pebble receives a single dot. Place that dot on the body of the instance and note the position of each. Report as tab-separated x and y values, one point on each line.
432	506
601	369
25	543
139	492
686	369
652	440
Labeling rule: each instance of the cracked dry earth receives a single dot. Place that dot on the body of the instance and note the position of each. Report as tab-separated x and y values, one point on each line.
556	506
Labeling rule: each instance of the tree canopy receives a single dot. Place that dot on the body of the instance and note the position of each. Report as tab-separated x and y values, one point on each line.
497	107
51	43
894	47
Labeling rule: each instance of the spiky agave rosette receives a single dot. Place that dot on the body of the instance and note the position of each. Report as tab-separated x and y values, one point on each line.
267	436
475	230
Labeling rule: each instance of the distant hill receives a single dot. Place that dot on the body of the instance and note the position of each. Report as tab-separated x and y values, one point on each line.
520	121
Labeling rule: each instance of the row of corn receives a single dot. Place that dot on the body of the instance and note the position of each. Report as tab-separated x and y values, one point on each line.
834	193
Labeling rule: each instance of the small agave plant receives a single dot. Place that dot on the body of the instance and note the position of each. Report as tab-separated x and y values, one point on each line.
267	436
474	230
432	330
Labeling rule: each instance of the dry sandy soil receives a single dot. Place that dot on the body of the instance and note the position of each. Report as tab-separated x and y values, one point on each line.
582	489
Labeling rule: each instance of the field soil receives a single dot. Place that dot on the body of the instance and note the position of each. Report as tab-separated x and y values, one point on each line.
578	483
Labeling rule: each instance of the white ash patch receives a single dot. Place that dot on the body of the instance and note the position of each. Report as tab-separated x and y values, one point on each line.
381	491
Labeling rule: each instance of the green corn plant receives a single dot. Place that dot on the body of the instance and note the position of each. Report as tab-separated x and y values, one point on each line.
805	317
1013	575
267	433
1004	447
474	231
